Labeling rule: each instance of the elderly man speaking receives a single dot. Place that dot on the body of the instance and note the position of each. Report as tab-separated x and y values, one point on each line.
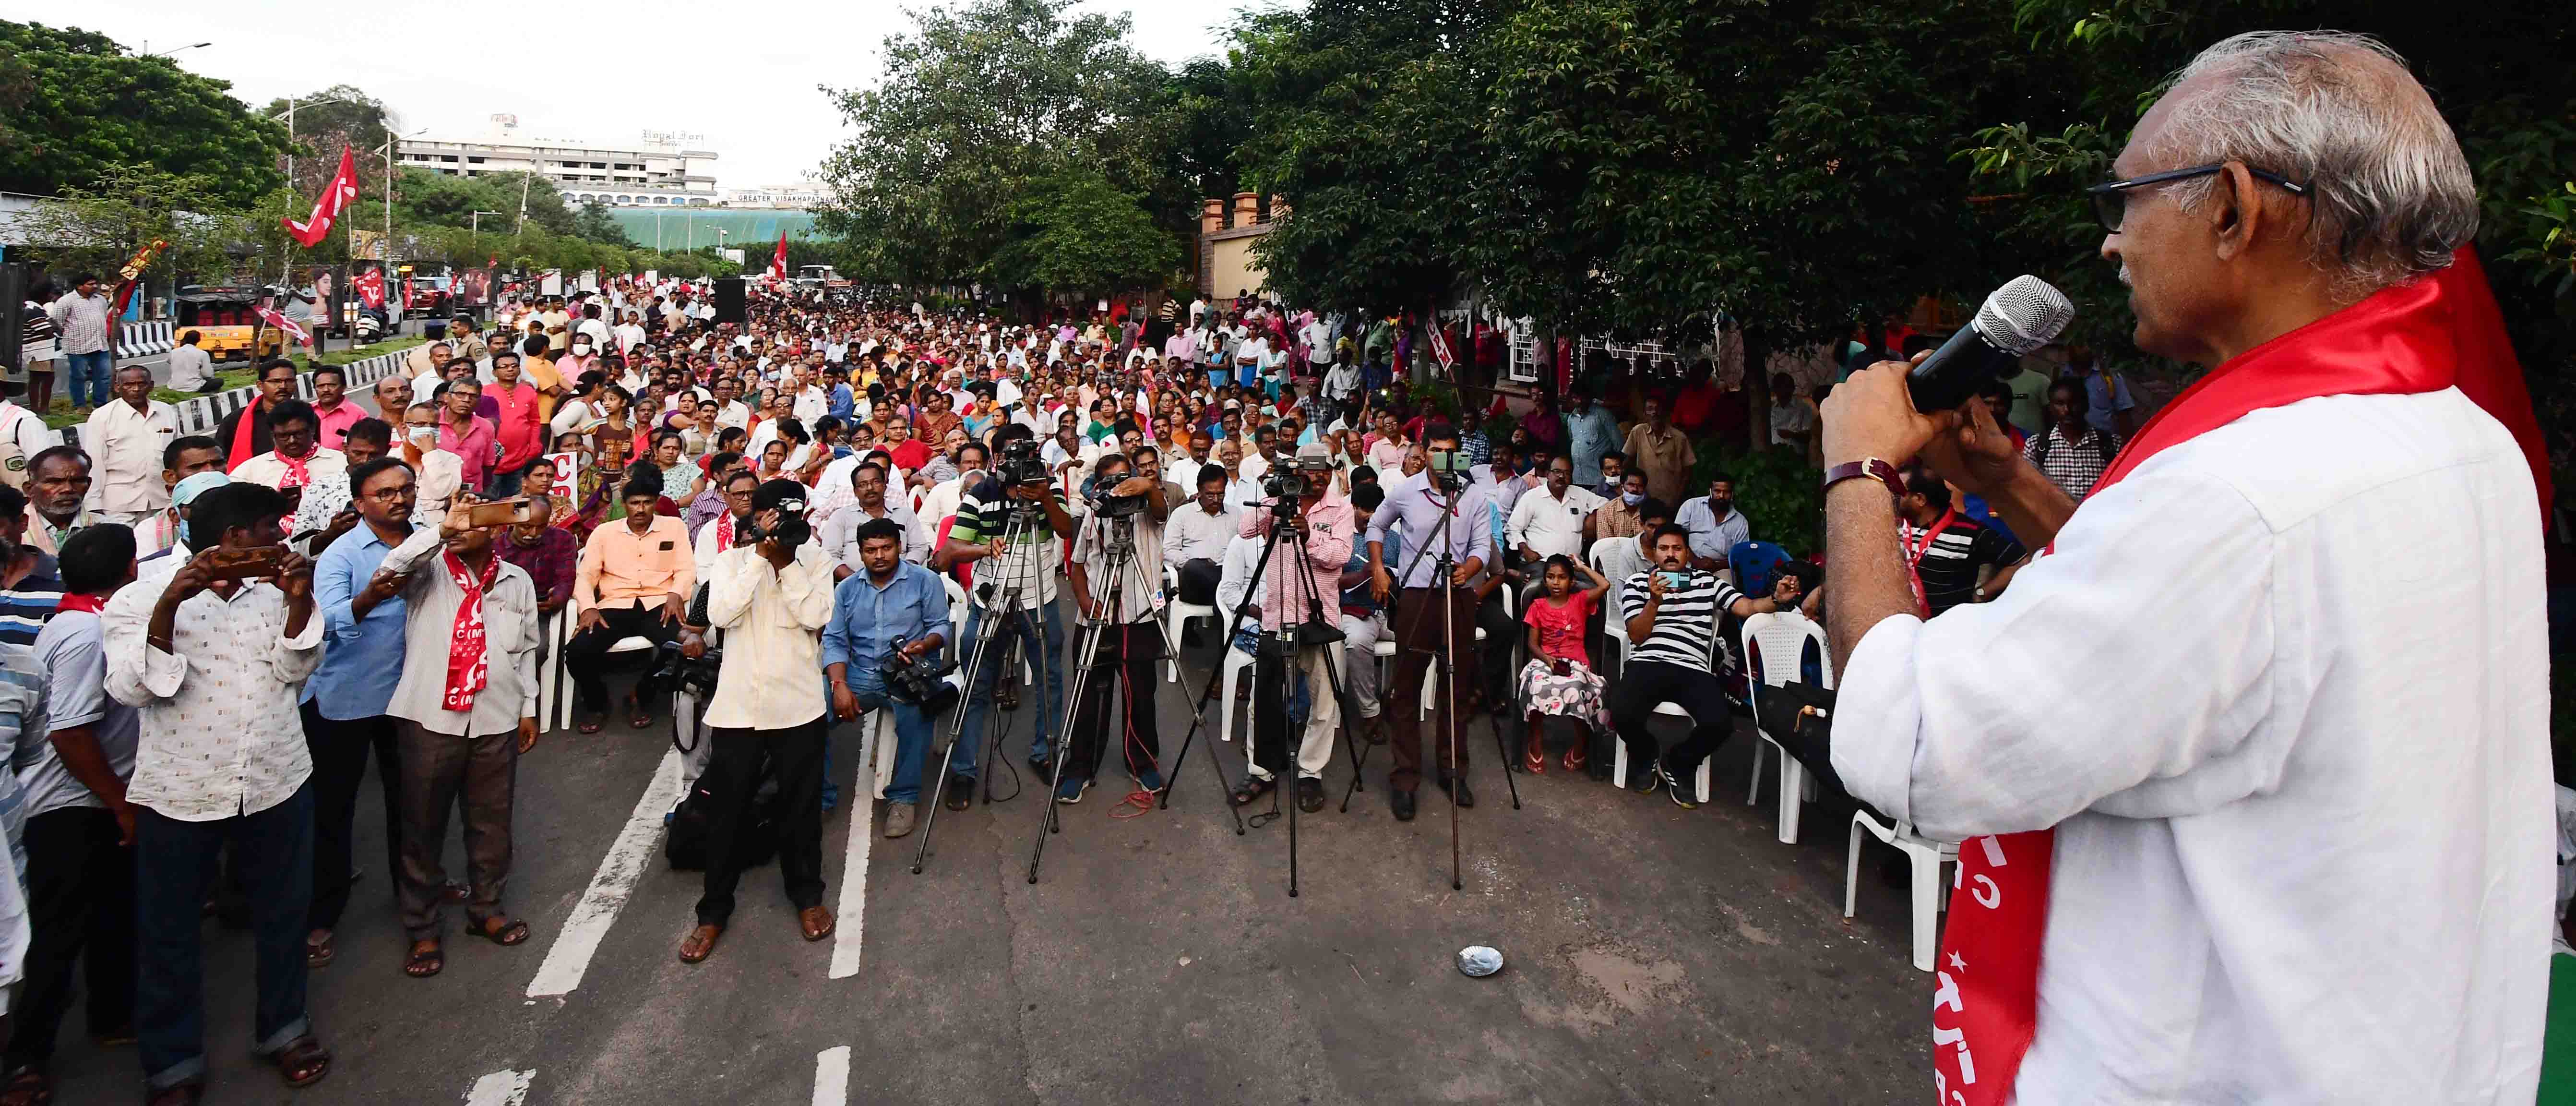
2251	765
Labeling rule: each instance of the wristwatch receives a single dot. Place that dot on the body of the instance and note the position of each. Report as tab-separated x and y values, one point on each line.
1867	466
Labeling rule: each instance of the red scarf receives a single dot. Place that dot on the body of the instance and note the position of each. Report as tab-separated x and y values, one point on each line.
243	431
2439	332
469	665
75	601
299	470
724	531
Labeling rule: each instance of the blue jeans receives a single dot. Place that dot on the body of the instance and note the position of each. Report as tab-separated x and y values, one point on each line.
1044	650
173	860
911	735
80	369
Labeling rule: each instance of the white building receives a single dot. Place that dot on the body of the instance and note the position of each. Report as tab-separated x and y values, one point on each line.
658	171
803	195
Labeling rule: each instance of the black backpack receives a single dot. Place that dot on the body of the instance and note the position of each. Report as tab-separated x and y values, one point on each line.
685	846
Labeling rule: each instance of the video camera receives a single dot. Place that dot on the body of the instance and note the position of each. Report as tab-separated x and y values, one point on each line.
1020	463
793	530
696	678
916	680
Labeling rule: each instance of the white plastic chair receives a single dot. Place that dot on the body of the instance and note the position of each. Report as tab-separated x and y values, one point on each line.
550	662
1619	755
1931	892
1175	613
564	635
1776	643
1237	662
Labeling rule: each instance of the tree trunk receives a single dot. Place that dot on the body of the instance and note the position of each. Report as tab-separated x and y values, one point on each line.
1757	388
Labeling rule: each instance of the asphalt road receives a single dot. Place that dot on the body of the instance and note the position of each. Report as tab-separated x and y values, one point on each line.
1653	955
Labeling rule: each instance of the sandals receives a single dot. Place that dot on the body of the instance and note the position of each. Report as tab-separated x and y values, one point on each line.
700	943
425	959
1252	787
1534	760
182	1094
1574	757
317	954
512	930
303	1062
637	717
27	1086
814	923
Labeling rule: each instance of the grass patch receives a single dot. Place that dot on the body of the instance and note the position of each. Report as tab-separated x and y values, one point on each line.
238	375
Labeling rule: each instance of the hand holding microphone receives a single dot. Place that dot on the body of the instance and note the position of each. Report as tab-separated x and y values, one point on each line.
1898	410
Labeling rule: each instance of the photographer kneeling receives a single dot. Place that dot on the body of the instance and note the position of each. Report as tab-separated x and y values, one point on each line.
884	619
771	596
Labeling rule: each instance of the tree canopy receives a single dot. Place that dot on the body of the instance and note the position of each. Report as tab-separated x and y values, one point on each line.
76	109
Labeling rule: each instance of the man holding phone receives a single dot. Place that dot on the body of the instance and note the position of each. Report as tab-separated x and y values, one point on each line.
1671	611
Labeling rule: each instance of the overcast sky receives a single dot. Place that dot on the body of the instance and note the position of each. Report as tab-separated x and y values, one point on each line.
748	71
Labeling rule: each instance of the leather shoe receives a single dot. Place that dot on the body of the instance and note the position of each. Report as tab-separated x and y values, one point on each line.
1459	792
1402	802
700	943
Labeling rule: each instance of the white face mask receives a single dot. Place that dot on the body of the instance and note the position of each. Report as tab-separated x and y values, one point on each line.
581	349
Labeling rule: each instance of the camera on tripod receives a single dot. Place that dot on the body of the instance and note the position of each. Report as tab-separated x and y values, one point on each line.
693	677
1020	463
917	680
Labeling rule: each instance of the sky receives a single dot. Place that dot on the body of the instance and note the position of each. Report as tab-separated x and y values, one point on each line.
748	85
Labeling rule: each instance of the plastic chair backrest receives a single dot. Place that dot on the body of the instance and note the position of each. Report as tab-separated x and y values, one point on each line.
1755	564
1775	634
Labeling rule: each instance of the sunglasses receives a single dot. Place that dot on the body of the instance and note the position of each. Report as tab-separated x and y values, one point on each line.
2111	199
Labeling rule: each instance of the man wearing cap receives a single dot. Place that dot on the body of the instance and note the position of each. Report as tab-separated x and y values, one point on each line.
772	598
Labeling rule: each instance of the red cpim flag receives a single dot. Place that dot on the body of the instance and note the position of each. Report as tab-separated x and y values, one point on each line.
336	197
271	316
778	261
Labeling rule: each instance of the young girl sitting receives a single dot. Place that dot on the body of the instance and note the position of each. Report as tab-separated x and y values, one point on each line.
1559	679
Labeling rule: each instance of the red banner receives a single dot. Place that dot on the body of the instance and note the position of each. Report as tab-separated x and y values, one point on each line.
370	284
778	261
336	197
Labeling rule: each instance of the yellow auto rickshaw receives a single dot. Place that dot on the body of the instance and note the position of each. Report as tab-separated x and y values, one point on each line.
224	317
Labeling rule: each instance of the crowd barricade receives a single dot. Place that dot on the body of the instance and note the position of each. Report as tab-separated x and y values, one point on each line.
144	339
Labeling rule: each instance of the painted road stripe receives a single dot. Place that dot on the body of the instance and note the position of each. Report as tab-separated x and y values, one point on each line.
610	887
501	1088
832	1076
853	914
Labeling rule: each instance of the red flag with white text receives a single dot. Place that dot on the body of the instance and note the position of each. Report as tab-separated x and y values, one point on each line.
336	197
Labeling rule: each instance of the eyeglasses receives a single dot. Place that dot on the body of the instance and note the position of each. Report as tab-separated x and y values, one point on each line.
2111	199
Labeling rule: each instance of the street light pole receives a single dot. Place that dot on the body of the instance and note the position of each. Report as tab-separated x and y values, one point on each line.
475	227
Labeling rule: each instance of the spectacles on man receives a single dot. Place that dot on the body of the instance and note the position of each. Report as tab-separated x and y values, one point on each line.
2111	198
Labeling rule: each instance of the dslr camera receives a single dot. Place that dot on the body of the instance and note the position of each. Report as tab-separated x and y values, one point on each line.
793	530
1020	463
916	680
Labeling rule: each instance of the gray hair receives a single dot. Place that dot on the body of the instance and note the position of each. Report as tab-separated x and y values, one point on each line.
2337	112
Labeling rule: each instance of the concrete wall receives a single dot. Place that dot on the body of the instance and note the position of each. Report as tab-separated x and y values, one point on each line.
1231	266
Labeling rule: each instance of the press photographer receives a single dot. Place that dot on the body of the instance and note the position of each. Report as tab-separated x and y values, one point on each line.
1300	623
1007	527
1118	558
772	596
889	620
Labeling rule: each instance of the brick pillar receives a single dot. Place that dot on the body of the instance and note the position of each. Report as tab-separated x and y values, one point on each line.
1247	208
1211	216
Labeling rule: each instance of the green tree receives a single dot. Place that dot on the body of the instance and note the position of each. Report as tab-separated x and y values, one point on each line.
1372	112
592	222
978	102
76	108
1076	233
325	122
98	226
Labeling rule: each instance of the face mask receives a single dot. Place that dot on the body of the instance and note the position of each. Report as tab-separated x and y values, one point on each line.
425	435
1632	498
581	349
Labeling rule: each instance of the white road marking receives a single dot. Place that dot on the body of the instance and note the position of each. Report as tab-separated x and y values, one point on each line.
501	1088
832	1076
853	913
610	887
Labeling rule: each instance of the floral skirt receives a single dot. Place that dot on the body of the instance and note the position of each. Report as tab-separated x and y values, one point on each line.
1576	695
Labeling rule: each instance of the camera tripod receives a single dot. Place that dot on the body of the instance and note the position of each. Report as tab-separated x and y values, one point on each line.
1123	570
990	647
1285	639
1444	567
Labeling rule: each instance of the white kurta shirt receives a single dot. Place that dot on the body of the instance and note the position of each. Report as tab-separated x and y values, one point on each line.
2283	693
128	444
772	673
220	733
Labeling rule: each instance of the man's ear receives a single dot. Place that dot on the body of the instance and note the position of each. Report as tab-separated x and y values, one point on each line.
2236	211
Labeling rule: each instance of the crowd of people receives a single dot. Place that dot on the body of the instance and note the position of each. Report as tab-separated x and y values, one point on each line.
210	635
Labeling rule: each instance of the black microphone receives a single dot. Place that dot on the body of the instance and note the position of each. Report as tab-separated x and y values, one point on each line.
2019	317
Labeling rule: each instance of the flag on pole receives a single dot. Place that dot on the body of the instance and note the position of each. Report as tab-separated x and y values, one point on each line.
270	316
406	291
778	261
370	284
336	197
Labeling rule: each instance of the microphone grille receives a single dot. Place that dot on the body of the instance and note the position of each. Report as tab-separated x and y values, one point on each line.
2025	314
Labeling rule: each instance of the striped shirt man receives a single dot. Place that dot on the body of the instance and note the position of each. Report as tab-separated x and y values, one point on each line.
983	515
1685	631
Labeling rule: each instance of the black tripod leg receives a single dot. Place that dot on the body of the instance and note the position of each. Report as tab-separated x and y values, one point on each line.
1502	749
